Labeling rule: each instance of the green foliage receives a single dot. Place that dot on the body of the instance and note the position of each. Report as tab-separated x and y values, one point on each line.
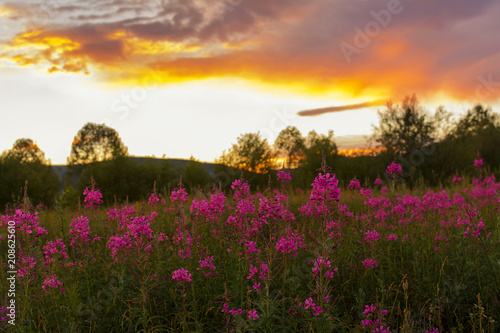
290	144
251	153
195	174
95	143
26	162
126	178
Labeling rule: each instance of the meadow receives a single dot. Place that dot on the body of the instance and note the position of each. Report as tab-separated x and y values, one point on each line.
367	258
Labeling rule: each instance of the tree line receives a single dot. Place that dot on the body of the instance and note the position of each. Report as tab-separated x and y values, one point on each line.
431	147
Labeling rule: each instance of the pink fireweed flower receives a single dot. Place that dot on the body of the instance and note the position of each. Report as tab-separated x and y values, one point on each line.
378	181
252	248
284	176
181	275
384	189
252	314
80	229
354	185
369	309
264	270
253	270
207	263
478	164
320	263
317	310
372	236
325	186
52	282
26	266
256	286
53	248
179	194
93	197
290	243
391	237
457	179
394	169
309	303
434	330
155	198
26	222
241	189
370	263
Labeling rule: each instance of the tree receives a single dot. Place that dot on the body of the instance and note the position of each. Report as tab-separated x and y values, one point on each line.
406	128
251	153
290	144
25	151
94	143
195	174
26	162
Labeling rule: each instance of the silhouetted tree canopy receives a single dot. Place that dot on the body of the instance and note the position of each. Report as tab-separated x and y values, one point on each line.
26	162
407	127
25	151
290	144
251	153
95	143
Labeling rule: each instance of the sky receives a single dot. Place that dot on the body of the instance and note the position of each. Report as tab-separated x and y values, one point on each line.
181	78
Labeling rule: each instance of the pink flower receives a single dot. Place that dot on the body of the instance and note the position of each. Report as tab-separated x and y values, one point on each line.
317	310
181	275
252	314
395	169
354	184
378	181
93	197
179	194
52	282
370	263
309	303
478	164
284	175
457	179
80	229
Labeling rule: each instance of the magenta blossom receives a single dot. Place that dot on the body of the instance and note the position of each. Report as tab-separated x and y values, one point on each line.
284	175
93	198
179	195
181	275
252	314
394	169
52	282
370	263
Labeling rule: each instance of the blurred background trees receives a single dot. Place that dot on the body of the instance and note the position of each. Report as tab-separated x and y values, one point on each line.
96	143
432	148
25	162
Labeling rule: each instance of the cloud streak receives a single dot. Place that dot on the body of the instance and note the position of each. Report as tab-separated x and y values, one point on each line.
317	112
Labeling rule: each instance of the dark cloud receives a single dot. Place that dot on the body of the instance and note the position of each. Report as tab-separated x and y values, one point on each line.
427	47
317	112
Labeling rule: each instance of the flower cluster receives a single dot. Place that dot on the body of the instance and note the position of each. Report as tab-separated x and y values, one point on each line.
284	176
370	263
375	320
80	229
181	275
52	282
325	265
93	197
394	169
179	194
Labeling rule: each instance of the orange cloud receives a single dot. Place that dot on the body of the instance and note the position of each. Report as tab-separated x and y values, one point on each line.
291	46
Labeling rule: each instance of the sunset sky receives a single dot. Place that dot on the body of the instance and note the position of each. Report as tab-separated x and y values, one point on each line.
187	77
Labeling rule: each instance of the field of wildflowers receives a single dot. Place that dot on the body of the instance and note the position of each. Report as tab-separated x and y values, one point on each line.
372	258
